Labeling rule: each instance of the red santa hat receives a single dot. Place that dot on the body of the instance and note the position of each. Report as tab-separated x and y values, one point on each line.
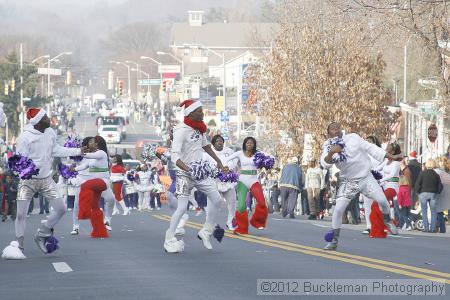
35	115
189	106
413	155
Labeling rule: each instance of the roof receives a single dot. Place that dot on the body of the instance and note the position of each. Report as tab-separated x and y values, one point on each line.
223	34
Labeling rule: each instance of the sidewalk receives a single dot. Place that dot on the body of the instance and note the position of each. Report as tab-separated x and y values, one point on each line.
326	222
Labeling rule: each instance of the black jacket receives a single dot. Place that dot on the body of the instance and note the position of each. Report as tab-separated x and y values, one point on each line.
415	167
428	182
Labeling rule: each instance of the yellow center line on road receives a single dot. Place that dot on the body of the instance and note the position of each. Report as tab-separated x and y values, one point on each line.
335	255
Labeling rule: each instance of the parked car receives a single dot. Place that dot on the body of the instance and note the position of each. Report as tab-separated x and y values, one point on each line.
111	134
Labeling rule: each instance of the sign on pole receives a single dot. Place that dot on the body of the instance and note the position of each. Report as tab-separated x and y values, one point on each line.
46	71
224	116
151	81
169	69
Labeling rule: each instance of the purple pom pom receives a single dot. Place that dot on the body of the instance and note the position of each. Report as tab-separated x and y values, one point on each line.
65	171
23	166
377	175
74	142
258	159
131	176
263	161
218	233
329	236
51	243
231	176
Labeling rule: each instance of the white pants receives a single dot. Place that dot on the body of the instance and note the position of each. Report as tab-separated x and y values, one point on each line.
185	184
143	200
230	198
348	188
76	208
367	209
47	188
110	200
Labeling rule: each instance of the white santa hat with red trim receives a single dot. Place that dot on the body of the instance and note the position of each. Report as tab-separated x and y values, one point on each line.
189	106
35	115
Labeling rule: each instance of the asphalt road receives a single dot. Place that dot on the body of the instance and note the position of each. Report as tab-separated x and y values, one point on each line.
131	264
136	131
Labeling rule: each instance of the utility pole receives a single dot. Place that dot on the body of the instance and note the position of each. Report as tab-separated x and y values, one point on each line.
21	89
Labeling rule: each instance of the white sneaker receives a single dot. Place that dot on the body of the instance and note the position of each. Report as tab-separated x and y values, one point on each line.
392	228
173	245
108	226
180	231
404	227
158	208
75	231
206	238
367	231
151	208
126	212
230	226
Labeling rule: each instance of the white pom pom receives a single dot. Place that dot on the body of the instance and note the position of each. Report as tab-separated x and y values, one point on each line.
14	244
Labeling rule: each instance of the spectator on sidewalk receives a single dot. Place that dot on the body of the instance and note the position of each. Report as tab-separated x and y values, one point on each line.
416	168
10	189
313	184
290	187
428	185
443	199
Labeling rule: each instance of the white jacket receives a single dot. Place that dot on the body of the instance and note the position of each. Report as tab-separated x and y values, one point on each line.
42	148
358	152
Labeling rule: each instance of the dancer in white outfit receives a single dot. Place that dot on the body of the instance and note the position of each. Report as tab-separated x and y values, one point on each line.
143	186
38	142
226	189
189	144
355	176
96	185
76	182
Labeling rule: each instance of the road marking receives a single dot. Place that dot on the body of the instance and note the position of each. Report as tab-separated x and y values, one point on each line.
335	255
62	267
321	225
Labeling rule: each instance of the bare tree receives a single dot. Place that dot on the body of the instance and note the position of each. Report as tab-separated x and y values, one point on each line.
318	73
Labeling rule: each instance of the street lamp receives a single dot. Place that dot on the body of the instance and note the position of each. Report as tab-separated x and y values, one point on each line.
148	79
137	76
182	66
222	56
48	69
129	81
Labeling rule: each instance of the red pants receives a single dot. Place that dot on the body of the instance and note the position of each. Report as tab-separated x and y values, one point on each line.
117	189
259	217
90	193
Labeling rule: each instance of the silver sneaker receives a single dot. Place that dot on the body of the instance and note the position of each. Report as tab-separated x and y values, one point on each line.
40	242
331	246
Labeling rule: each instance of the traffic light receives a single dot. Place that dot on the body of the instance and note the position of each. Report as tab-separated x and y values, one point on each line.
164	85
120	87
6	89
13	85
